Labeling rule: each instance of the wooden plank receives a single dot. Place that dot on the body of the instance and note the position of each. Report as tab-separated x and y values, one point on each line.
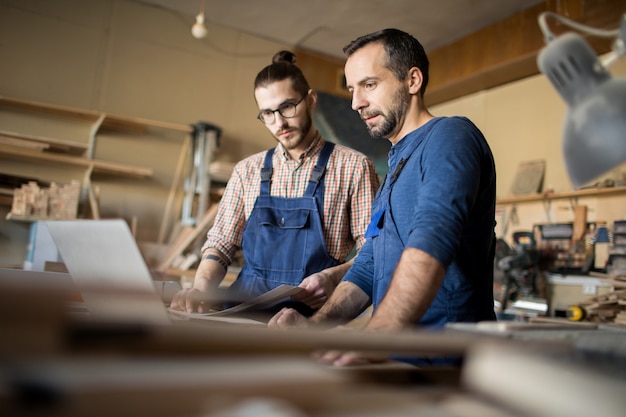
566	323
94	207
193	338
12	141
174	187
99	166
110	121
137	124
541	385
189	237
588	192
47	108
93	131
580	222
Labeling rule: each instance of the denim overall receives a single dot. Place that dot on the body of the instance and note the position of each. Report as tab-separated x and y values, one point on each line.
283	240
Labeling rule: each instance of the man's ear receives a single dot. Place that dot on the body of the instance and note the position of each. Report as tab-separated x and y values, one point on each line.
415	80
312	98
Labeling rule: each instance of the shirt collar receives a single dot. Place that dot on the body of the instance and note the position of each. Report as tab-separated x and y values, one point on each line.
405	147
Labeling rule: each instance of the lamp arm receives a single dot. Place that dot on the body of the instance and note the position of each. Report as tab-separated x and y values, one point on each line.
549	36
618	47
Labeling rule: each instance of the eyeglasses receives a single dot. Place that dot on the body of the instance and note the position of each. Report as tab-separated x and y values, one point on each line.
286	110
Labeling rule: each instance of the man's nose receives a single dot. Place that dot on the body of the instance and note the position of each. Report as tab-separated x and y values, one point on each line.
358	101
279	119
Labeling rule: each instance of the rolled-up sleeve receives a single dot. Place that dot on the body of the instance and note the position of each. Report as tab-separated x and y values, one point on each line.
447	191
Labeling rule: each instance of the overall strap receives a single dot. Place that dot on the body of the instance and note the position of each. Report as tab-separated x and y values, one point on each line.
398	170
318	170
392	178
266	172
401	163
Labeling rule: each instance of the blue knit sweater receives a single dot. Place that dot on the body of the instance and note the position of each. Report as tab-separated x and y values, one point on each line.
443	203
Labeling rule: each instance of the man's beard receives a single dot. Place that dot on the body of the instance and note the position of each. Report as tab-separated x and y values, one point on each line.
392	120
303	132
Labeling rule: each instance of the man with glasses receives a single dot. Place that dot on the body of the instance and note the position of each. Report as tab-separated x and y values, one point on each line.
296	210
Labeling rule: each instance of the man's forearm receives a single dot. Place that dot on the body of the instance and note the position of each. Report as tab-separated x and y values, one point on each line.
337	272
346	303
415	283
211	271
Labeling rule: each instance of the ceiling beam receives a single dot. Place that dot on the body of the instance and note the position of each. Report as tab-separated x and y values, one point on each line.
507	50
495	55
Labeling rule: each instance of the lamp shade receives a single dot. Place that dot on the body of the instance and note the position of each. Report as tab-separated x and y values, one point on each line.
594	133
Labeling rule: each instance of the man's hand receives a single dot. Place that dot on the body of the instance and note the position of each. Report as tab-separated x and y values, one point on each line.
317	289
191	300
286	318
349	358
342	358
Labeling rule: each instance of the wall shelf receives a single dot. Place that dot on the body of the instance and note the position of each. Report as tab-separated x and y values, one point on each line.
56	143
103	167
110	121
588	192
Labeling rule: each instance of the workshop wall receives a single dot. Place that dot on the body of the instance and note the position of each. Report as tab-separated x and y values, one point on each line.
523	122
127	58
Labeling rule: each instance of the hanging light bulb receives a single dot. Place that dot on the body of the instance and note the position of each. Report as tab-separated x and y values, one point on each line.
198	30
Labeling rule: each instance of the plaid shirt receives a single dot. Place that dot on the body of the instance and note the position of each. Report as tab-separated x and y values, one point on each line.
350	183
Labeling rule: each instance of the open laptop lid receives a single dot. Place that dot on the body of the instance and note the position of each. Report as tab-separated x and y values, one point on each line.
106	265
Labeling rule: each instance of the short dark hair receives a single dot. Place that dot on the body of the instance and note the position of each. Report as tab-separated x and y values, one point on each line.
282	67
403	52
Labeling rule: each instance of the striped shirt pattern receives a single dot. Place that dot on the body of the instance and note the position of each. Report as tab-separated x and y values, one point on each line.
350	183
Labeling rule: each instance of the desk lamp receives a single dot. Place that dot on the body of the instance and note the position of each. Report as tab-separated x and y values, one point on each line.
594	133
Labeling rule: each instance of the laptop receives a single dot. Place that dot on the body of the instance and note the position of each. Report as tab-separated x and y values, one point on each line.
109	271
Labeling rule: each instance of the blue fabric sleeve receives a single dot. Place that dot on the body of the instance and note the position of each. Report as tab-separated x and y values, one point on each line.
361	273
451	167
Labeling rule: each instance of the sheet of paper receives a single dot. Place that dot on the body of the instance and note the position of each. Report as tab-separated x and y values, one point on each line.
262	301
181	315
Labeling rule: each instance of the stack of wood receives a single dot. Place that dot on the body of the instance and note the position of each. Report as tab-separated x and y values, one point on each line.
609	307
55	202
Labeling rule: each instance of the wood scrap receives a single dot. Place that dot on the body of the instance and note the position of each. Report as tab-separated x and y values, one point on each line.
605	308
620	318
221	171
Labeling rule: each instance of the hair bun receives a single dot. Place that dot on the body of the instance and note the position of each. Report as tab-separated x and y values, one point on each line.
286	57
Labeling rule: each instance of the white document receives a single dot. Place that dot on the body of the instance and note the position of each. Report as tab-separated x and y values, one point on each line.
265	300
